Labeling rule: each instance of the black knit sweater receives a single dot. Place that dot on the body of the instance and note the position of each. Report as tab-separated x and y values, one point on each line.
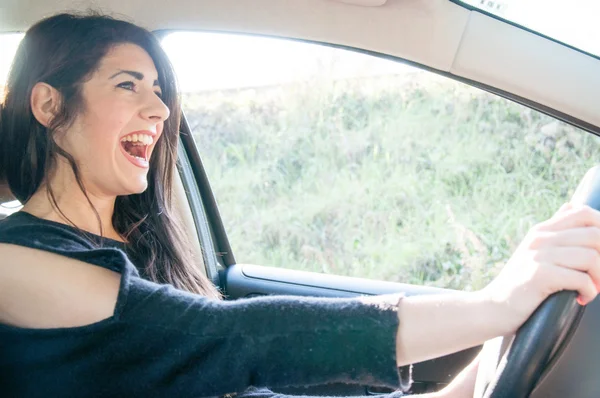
164	342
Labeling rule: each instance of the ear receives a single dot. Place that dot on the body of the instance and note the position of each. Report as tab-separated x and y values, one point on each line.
44	103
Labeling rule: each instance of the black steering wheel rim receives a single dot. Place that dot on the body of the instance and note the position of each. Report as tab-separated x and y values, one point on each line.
536	342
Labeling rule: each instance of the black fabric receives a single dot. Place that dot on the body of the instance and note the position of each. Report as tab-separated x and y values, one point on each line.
163	342
254	392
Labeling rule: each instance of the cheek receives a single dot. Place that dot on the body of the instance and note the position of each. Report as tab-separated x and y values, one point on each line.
98	134
109	118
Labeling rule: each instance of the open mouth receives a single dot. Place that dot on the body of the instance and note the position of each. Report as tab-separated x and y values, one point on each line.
136	148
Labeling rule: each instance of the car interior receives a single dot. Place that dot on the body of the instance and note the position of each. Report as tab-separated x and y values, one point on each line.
463	41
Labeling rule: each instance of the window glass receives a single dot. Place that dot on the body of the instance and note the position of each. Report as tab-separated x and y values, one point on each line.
8	44
573	22
327	160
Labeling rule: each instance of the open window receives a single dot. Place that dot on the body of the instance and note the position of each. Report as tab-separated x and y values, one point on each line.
328	160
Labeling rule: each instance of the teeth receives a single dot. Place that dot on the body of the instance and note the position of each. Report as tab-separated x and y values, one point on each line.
143	139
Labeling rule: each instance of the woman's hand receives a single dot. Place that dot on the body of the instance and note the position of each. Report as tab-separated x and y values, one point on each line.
562	253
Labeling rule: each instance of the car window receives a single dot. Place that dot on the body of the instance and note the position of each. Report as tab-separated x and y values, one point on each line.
8	44
327	160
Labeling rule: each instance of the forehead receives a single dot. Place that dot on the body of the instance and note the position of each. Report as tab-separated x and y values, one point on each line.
128	56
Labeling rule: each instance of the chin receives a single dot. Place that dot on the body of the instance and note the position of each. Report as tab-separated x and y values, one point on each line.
141	188
136	188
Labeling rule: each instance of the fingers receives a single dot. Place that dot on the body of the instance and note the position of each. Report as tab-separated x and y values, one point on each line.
564	207
567	247
583	237
575	216
570	279
580	259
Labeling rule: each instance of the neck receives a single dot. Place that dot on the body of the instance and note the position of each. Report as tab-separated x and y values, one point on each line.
75	208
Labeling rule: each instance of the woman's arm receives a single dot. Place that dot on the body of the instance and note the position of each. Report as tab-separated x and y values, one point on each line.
559	254
437	325
42	290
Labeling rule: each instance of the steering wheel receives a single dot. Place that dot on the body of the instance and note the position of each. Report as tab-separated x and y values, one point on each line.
511	366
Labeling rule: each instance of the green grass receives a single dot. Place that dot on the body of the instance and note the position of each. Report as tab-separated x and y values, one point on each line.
415	181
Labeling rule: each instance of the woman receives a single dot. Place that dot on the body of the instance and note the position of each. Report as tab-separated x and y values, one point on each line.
99	296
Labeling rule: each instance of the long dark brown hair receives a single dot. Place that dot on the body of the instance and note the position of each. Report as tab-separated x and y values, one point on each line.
64	51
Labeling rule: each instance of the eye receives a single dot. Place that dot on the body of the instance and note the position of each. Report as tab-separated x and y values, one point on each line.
131	86
127	85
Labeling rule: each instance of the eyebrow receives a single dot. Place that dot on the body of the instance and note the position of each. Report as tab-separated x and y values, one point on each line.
136	75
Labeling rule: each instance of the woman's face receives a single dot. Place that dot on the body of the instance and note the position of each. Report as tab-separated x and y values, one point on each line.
121	120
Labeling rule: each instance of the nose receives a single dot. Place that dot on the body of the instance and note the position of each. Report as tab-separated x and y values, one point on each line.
154	109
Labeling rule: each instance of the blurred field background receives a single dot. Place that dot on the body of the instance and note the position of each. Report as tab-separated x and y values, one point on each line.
397	178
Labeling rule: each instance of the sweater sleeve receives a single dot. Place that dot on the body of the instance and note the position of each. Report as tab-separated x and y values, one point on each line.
211	347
